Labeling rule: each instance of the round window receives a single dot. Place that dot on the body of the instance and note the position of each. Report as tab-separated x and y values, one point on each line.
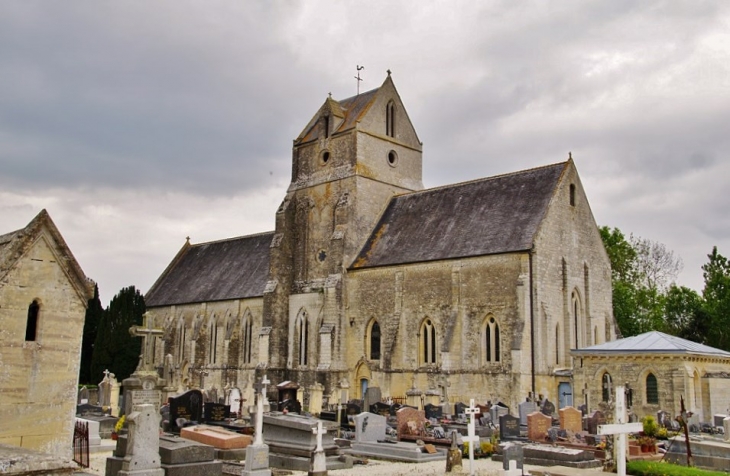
392	158
325	157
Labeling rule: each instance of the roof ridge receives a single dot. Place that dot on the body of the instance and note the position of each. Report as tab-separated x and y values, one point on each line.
352	98
232	238
482	179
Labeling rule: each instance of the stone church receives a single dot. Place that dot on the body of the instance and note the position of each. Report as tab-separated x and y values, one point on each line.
472	290
43	299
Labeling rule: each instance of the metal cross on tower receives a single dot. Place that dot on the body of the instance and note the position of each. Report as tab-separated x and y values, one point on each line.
359	68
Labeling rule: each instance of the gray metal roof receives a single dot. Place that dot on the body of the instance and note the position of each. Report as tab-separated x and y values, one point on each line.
236	268
499	214
651	342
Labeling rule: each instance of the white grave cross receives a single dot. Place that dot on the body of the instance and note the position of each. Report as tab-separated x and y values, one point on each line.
472	438
319	461
259	437
620	428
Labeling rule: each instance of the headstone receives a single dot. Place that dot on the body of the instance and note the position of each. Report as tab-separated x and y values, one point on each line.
372	395
548	408
410	422
189	406
726	427
234	400
143	443
114	396
525	409
718	419
83	395
571	419
594	420
215	412
319	460
497	411
257	454
620	428
513	452
370	427
538	425
509	427
664	418
380	408
105	390
459	409
433	411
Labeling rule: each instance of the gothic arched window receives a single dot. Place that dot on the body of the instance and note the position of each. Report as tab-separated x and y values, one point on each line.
31	326
390	119
428	342
375	341
302	335
247	328
606	387
212	351
652	390
491	341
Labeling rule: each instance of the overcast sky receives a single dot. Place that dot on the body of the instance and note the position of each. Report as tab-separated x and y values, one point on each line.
138	123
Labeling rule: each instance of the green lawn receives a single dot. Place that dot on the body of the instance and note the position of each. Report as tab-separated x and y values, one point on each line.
655	468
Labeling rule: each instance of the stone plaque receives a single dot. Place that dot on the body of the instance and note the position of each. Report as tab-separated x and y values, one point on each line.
257	457
146	397
509	427
538	425
571	419
213	412
189	405
525	409
369	427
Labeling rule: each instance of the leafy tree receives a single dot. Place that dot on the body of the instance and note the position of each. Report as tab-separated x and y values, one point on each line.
94	312
681	309
716	295
115	349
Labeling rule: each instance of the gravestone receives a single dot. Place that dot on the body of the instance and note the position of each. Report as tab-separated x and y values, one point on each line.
525	409
143	443
538	425
664	418
726	427
189	406
433	411
498	411
144	386
319	459
83	395
513	452
594	420
548	408
718	419
459	409
370	427
509	427
234	400
372	395
215	412
571	419
410	422
380	408
105	390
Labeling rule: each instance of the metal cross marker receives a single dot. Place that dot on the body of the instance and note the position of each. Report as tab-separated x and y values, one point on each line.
147	333
359	68
260	387
472	438
620	428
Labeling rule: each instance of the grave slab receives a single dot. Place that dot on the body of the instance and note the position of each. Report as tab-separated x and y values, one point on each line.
216	437
176	450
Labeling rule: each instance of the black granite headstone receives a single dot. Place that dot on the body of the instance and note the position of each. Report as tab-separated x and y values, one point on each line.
291	406
459	408
189	406
433	411
380	408
215	412
509	427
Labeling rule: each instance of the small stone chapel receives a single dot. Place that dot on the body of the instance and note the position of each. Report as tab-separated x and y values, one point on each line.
472	290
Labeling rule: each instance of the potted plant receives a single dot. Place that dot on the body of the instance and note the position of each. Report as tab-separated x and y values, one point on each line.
648	444
118	427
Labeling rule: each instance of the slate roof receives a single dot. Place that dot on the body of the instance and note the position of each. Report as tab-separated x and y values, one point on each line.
494	215
353	108
235	268
651	342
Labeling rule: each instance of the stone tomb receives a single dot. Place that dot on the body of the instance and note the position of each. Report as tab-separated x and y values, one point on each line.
538	425
178	457
292	443
369	442
544	455
189	406
571	419
216	437
509	427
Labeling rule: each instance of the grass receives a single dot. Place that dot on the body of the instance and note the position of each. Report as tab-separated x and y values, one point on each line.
656	468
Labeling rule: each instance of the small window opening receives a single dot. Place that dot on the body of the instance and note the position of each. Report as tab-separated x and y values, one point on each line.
572	195
390	119
326	127
31	326
392	158
325	157
375	341
652	390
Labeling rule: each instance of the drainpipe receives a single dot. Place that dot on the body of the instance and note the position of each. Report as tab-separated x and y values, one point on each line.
532	324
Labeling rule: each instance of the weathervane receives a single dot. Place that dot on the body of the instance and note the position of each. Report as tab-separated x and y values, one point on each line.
359	68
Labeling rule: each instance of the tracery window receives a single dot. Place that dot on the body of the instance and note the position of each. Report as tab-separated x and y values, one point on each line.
428	342
491	341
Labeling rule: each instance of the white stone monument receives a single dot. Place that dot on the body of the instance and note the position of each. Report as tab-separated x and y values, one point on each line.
319	460
257	454
472	437
726	426
621	428
143	443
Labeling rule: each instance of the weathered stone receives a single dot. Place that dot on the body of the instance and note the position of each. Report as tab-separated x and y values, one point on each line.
142	455
216	437
370	427
175	450
525	409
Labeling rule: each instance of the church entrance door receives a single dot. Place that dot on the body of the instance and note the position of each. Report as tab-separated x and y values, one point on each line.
565	395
